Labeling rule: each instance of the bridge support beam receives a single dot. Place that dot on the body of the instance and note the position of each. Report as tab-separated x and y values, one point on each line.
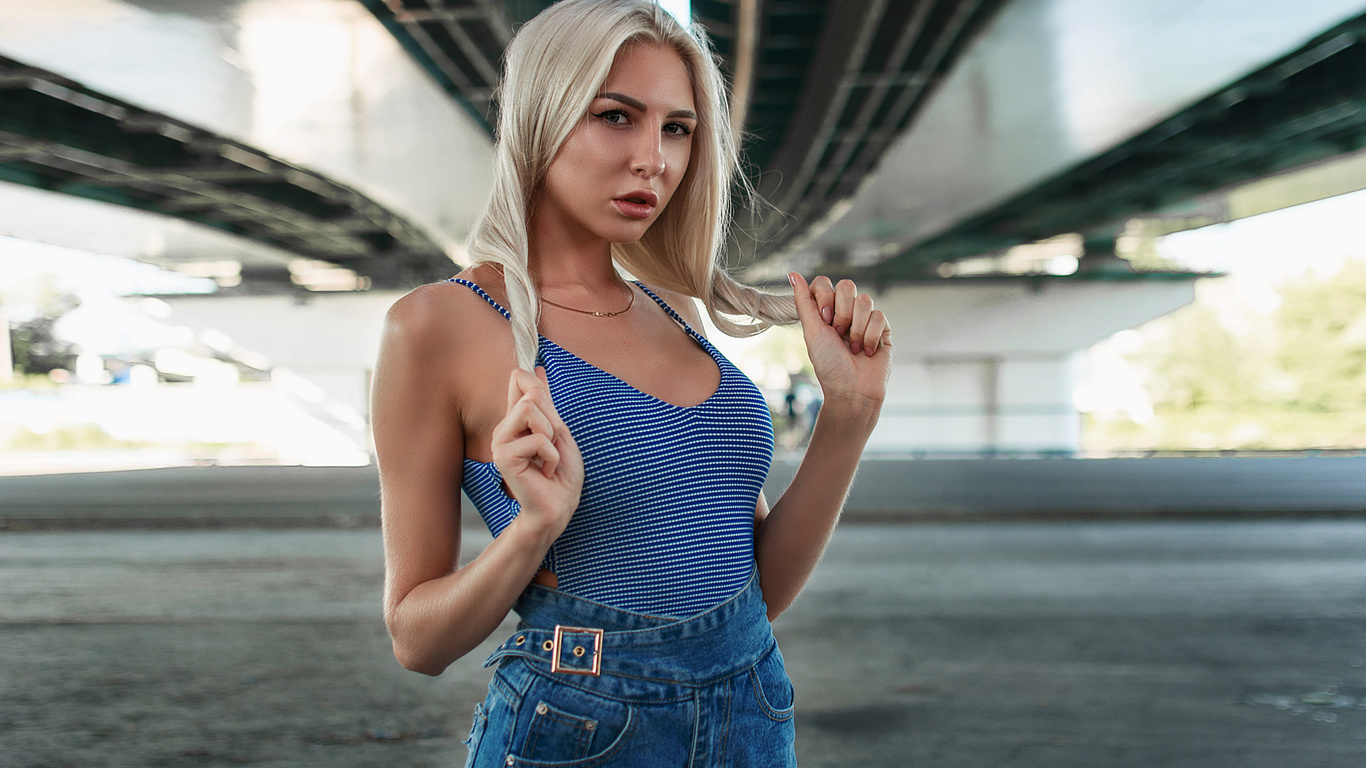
986	365
982	365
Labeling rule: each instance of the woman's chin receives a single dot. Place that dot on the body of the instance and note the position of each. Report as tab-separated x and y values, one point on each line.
628	235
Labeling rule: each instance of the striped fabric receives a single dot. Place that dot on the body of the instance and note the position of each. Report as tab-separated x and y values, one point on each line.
665	524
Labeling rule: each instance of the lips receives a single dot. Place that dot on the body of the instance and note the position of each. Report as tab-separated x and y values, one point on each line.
641	197
638	204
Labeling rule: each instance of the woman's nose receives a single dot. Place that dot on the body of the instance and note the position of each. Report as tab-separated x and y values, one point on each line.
649	157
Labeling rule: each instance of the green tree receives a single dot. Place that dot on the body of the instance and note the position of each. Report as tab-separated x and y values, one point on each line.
1192	360
1321	341
35	345
1223	378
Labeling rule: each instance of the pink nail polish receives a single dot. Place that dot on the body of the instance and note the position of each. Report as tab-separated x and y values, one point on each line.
855	347
791	280
826	314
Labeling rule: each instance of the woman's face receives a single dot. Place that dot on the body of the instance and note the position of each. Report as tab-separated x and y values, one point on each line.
622	163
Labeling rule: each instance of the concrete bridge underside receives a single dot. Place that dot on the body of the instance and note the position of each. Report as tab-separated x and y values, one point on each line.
895	135
290	146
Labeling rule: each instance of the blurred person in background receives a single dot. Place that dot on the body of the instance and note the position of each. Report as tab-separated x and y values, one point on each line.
616	456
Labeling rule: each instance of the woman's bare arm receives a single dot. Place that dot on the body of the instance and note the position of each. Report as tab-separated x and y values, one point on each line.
849	346
790	539
436	610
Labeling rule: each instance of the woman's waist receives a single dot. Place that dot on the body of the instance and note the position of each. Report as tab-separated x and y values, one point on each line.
571	635
664	577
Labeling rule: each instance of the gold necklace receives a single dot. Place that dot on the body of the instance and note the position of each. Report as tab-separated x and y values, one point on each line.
629	304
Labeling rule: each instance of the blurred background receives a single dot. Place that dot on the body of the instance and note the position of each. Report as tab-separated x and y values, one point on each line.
1100	229
1122	246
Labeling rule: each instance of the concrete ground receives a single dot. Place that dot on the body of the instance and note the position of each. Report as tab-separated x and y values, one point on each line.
888	489
1057	644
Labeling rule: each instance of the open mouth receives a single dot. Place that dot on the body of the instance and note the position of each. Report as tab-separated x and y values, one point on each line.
636	206
640	197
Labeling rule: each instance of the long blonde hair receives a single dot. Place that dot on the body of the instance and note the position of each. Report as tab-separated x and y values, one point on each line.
553	70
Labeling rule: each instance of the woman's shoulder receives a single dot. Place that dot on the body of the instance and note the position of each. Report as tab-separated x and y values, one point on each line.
444	313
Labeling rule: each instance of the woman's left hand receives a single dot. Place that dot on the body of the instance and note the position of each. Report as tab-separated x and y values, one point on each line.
847	340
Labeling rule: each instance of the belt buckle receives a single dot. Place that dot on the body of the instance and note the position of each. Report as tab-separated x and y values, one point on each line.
560	631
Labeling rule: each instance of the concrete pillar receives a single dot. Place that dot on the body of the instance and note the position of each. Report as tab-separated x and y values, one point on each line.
987	365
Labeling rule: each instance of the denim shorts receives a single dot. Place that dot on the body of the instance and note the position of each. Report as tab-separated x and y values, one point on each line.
584	684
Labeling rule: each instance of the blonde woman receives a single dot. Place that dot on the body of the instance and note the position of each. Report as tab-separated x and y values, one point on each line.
617	457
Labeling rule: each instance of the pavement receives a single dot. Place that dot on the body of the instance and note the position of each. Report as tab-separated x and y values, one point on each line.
886	489
1153	643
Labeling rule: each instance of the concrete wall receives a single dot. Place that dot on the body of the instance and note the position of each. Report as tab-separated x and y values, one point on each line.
983	366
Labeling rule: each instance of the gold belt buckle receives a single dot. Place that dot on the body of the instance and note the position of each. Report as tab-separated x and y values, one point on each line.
578	651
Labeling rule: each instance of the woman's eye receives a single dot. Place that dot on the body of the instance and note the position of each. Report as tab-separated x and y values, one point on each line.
678	129
613	117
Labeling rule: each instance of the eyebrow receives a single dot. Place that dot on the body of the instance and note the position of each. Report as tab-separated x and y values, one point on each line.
635	103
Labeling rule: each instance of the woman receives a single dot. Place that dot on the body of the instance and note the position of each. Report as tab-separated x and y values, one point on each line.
617	457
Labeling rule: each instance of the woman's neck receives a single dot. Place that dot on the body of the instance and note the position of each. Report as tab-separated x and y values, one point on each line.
565	262
562	272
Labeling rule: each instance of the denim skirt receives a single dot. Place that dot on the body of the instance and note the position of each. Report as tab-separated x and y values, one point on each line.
584	684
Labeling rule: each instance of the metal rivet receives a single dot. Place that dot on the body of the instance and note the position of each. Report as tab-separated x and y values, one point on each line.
541	708
547	645
512	760
590	725
578	650
521	639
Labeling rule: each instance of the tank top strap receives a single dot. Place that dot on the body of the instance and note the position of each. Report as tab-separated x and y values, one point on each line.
480	291
699	338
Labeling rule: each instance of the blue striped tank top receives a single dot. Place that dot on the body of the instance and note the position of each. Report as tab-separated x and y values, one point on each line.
665	523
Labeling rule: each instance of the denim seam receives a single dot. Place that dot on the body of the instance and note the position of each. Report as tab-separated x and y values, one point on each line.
775	714
628	700
507	690
725	735
696	726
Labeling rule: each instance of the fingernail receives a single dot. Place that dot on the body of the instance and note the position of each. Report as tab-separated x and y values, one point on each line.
791	280
855	347
839	329
827	313
868	351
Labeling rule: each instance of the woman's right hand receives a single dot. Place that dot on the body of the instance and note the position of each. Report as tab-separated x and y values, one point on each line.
538	458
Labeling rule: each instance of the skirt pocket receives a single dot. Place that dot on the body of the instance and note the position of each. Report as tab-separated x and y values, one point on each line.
772	686
566	726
